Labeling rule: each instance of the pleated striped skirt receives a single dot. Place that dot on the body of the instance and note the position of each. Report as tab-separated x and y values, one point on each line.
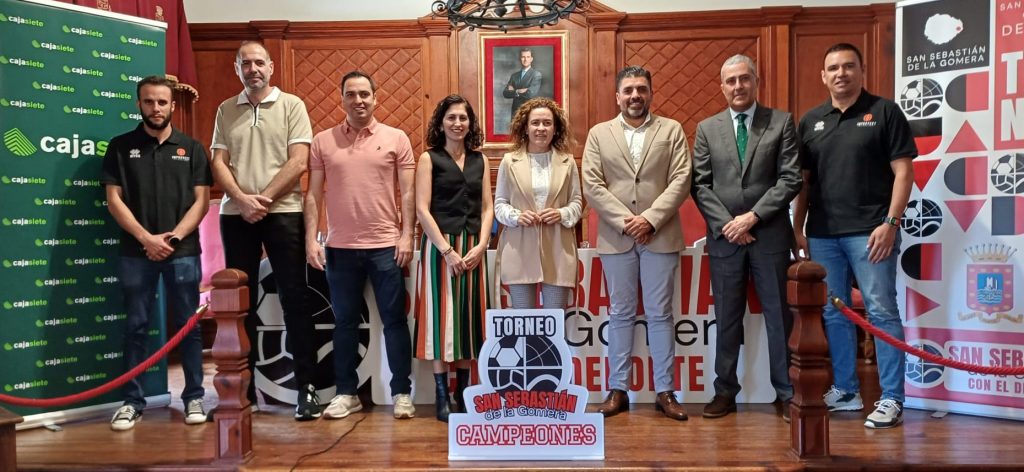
449	310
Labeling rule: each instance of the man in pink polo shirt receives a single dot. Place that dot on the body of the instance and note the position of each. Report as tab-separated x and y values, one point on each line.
367	236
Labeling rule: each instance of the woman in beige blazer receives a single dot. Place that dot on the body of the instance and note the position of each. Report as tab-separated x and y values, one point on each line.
538	199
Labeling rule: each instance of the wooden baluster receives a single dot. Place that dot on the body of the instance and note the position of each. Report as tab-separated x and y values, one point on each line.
229	301
809	369
8	447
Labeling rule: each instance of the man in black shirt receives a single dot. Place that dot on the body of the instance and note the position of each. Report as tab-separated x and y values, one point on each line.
158	190
856	150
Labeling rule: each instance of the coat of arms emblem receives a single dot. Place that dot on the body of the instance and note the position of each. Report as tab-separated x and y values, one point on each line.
990	283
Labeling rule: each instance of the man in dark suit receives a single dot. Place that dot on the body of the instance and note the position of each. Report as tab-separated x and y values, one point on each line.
745	172
523	84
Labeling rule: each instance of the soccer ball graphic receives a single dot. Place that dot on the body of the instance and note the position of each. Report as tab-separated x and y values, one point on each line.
924	373
921	98
524	363
273	374
922	218
1008	173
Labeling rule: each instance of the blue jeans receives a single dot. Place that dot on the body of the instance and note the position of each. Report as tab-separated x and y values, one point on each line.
180	276
347	270
877	283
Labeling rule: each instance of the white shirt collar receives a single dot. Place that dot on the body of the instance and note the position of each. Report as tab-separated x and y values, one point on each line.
275	93
749	112
643	125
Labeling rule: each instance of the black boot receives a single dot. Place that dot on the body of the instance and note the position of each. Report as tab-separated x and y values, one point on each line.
461	382
441	396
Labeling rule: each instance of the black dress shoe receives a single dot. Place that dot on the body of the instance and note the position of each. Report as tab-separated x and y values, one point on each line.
719	407
785	410
616	402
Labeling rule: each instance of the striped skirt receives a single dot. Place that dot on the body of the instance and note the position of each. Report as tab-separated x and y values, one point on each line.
449	310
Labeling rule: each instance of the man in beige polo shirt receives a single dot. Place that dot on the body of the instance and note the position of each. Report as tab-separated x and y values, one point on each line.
260	149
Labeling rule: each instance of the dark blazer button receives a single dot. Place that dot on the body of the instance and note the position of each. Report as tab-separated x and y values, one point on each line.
634	202
638	180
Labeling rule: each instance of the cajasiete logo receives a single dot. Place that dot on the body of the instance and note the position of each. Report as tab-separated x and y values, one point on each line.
131	78
53	87
26	385
81	31
111	56
23	104
22	179
20	20
56	321
111	317
55	282
82	71
88	338
87	377
139	41
526	406
74	146
52	46
112	94
18	143
22	62
20	304
23	263
56	361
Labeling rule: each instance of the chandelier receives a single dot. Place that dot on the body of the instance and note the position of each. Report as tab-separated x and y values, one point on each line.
504	15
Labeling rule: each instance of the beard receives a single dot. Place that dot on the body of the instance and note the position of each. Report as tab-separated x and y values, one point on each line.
157	126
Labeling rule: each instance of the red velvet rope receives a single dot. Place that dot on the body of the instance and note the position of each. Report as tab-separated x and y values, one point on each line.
863	323
123	379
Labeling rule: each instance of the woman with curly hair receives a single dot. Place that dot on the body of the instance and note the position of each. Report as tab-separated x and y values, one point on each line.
454	207
538	199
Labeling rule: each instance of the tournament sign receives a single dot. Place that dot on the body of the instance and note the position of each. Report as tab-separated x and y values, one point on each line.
526	406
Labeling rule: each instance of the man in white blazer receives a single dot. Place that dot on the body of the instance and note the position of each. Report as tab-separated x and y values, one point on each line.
745	201
636	174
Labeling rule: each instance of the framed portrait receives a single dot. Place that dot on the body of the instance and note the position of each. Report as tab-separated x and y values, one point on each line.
516	68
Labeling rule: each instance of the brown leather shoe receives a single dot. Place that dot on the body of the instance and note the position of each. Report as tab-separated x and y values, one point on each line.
719	407
785	410
616	402
667	404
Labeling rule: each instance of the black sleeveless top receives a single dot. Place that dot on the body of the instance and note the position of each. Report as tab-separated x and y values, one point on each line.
456	195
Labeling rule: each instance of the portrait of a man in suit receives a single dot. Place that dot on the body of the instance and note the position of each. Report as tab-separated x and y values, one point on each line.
523	84
745	173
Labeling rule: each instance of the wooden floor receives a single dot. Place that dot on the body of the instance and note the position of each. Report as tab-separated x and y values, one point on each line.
753	439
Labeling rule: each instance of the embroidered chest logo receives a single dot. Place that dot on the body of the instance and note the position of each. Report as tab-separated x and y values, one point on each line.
819	126
867	121
134	154
180	155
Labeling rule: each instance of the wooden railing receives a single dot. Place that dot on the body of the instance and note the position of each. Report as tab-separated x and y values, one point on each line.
8	449
808	370
229	301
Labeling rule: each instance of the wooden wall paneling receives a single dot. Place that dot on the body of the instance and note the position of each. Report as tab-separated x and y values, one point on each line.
816	29
685	68
774	55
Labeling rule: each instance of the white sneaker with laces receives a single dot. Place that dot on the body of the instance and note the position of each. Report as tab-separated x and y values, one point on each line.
194	412
403	406
125	418
342	406
838	400
888	413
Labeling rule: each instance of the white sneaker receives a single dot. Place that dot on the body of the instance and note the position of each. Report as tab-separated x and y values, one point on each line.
194	412
342	406
838	400
888	413
125	418
403	406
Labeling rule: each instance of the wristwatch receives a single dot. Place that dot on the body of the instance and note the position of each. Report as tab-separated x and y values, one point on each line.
891	220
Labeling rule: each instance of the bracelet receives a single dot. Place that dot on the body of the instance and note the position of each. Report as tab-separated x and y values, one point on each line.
447	251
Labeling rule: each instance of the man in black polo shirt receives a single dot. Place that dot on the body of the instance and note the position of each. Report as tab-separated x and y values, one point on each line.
158	190
856	150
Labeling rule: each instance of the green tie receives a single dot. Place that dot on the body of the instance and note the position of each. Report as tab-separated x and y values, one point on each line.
741	135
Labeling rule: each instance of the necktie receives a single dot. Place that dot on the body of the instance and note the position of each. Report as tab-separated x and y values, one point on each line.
741	135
